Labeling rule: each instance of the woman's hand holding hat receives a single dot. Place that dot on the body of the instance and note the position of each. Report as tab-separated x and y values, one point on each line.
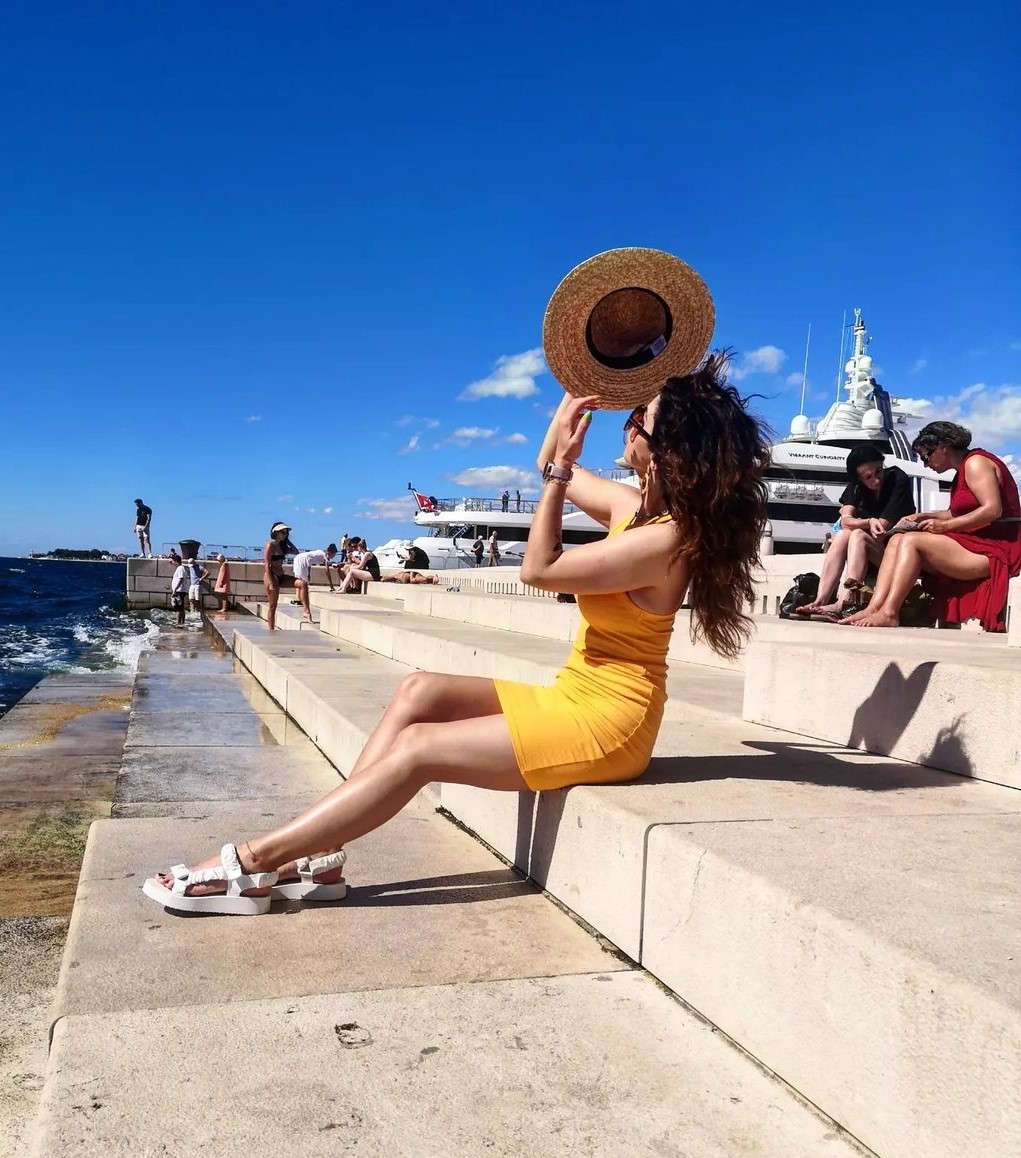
575	419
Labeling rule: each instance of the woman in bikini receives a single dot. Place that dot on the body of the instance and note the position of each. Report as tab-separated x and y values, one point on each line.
273	554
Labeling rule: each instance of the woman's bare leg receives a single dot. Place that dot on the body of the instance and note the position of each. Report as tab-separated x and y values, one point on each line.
883	579
858	555
832	565
917	553
306	607
272	598
428	698
475	751
354	573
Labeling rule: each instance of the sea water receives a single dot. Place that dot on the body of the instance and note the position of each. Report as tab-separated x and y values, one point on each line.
60	616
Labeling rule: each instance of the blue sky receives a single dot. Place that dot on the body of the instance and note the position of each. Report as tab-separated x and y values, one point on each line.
267	261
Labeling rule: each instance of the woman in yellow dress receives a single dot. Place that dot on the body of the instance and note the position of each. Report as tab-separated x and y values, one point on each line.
691	530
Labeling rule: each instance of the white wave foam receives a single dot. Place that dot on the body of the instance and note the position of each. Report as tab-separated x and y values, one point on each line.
82	634
125	651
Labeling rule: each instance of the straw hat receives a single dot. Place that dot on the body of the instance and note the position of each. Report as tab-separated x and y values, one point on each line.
623	322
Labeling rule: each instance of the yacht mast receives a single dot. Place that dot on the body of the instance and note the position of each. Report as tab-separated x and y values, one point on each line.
804	376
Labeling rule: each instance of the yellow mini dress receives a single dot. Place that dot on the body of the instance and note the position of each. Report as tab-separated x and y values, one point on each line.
597	723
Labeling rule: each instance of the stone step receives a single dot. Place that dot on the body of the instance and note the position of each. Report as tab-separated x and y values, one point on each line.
457	647
382	1023
948	703
517	612
781	886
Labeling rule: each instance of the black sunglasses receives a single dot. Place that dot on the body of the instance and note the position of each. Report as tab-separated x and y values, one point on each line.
924	453
634	422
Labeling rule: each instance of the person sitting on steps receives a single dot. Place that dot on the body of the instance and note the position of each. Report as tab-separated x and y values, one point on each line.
971	551
691	531
875	498
694	526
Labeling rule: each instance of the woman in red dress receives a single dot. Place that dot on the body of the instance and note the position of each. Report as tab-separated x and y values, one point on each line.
973	549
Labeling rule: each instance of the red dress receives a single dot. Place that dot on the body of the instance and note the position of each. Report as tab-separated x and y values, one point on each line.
983	599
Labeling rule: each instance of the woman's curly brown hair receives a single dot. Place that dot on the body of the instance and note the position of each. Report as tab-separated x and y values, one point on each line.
710	455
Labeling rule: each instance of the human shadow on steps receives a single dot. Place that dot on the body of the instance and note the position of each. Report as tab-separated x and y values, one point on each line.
820	765
451	889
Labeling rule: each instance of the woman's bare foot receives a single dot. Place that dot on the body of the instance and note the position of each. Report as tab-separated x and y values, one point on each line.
852	620
286	873
876	619
807	609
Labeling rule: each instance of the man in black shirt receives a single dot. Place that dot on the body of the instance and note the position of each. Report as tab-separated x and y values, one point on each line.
875	499
143	520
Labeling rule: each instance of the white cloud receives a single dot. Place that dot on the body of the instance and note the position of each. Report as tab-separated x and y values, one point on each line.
513	376
1013	464
764	360
285	498
393	510
254	418
484	478
795	379
464	435
516	439
920	407
310	510
411	420
412	445
991	413
918	365
327	510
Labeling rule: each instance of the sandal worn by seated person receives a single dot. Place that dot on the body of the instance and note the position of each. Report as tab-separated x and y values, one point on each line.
306	888
230	902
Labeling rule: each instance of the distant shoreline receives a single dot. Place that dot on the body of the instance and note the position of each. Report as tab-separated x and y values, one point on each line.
54	559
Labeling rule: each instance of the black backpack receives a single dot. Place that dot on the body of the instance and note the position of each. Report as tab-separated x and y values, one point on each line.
805	590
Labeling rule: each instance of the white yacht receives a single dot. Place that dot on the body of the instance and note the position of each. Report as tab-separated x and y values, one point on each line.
808	472
450	526
805	481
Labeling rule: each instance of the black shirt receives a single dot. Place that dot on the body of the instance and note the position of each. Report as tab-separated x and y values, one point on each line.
417	560
143	516
892	503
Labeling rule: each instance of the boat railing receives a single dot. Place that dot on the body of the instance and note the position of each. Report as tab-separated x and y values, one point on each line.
495	506
232	552
513	506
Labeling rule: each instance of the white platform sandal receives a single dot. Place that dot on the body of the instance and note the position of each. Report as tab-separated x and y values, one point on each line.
229	903
305	888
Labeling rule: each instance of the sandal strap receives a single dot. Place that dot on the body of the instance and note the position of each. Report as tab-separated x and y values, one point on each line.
184	876
309	868
238	879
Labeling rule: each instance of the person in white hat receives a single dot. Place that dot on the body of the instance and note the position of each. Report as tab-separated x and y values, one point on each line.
273	554
690	533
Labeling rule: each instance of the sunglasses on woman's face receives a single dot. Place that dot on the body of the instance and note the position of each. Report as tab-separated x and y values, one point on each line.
924	453
634	422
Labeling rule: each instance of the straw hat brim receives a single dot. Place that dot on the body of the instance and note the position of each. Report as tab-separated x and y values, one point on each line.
566	332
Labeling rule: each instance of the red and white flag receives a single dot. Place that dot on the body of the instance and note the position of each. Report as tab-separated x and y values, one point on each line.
425	503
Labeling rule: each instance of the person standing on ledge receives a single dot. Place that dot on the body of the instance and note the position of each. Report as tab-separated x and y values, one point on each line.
143	524
179	587
692	530
273	554
494	550
222	586
304	561
197	574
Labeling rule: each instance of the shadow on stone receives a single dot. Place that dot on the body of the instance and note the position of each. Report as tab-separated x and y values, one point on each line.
796	764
